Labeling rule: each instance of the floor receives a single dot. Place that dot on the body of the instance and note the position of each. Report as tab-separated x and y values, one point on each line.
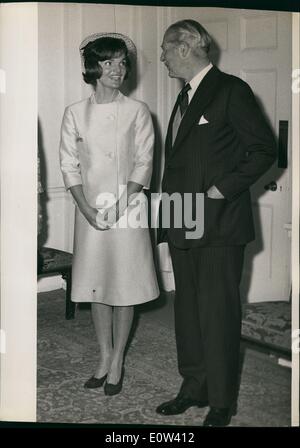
67	354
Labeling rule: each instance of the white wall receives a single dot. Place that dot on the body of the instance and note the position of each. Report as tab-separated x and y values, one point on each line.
18	143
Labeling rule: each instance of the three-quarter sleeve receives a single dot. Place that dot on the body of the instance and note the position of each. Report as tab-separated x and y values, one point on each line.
143	152
68	151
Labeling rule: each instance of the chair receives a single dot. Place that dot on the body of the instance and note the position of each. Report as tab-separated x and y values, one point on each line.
268	324
54	261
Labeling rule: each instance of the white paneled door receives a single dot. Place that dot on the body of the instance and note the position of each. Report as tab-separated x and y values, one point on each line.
256	46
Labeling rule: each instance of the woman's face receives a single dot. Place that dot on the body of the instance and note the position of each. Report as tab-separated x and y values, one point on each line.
113	72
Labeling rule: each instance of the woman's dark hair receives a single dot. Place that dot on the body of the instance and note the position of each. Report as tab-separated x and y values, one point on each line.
102	49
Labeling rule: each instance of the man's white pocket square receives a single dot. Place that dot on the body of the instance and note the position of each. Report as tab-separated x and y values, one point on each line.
203	120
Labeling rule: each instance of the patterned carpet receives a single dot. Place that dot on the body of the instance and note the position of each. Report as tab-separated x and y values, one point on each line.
67	355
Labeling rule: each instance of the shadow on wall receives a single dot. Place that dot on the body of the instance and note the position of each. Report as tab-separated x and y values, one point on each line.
130	84
214	52
43	197
257	191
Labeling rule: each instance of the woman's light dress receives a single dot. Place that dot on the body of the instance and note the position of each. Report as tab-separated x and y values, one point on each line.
103	146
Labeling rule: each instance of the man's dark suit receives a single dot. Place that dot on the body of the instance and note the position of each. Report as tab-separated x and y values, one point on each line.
230	152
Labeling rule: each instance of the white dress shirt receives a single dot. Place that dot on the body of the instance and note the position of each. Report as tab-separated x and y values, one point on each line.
194	83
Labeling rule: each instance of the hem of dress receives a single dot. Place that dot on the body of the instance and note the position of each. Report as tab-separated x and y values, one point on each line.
105	302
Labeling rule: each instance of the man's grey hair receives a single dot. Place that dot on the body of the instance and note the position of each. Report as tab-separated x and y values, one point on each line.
191	32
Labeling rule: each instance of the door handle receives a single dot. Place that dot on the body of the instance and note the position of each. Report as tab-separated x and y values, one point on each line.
271	186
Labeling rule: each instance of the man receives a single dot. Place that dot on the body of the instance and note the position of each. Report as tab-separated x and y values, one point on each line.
218	143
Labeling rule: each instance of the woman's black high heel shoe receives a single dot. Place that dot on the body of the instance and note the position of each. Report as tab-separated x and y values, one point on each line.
93	382
114	389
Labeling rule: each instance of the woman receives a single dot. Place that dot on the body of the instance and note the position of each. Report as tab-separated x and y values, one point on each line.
106	146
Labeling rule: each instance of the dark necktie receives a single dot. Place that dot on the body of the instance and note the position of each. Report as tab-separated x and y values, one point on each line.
184	99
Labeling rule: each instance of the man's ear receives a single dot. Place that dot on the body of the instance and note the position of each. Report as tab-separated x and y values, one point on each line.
202	43
184	49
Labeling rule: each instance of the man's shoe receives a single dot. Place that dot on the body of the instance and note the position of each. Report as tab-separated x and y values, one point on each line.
178	406
218	417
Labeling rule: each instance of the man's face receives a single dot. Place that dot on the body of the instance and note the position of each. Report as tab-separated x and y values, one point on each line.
170	55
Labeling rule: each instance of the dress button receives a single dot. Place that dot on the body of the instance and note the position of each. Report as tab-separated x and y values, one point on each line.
109	155
111	117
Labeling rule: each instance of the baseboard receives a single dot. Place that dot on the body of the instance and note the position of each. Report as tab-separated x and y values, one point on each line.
50	283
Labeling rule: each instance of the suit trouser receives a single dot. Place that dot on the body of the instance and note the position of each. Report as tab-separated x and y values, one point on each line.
208	321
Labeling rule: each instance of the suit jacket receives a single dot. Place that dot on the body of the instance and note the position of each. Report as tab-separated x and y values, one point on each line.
231	151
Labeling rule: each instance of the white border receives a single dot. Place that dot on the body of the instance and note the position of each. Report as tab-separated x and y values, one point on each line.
295	218
18	145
